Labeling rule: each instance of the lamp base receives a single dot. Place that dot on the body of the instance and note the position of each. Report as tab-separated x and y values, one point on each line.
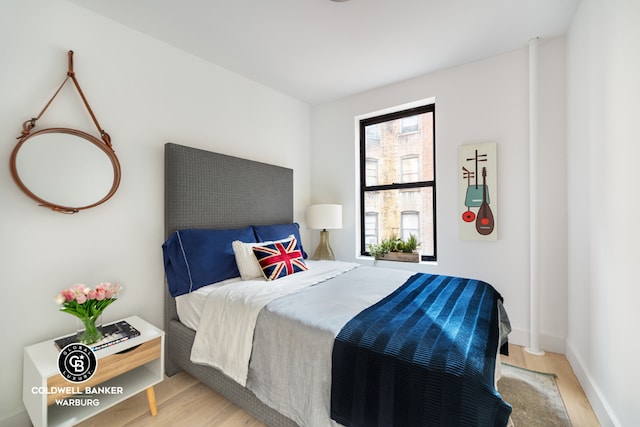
324	251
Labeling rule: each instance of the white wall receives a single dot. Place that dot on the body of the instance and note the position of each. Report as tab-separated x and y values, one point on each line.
144	93
477	102
603	153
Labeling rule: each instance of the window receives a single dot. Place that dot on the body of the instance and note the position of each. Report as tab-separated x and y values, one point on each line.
409	224
371	227
397	178
372	171
409	166
409	124
373	133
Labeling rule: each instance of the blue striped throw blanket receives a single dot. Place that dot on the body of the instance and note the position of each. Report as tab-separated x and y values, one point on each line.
423	356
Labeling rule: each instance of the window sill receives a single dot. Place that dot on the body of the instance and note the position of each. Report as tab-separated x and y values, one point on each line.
400	257
394	264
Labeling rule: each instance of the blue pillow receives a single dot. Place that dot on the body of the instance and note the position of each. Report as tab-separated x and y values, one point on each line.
268	233
194	258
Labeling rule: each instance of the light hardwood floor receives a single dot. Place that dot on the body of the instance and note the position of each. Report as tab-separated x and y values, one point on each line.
183	400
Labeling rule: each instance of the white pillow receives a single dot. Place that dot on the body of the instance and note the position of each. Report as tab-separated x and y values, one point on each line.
246	260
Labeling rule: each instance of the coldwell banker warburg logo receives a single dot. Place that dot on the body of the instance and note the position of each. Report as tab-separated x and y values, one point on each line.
77	363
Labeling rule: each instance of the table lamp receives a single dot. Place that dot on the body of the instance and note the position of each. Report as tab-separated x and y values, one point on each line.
324	217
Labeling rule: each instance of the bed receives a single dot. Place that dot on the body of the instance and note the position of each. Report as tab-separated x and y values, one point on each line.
208	192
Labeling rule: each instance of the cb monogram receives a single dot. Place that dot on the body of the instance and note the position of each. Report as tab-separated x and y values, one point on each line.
77	363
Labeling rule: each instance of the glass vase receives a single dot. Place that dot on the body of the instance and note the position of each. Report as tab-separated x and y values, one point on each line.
90	330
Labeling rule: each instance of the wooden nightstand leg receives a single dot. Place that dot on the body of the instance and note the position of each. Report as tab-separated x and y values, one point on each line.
151	397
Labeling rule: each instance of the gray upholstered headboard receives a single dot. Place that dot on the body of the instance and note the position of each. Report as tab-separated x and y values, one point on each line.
210	190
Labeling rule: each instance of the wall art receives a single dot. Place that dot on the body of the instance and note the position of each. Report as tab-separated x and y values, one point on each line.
478	191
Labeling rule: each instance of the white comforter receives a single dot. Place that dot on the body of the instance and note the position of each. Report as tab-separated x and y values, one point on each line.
231	309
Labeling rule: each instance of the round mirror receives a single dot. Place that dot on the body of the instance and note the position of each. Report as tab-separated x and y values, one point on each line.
65	169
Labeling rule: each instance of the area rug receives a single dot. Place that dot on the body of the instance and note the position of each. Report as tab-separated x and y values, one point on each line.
534	396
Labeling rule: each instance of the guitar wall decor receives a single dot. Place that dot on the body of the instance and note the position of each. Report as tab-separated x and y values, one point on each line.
484	220
478	216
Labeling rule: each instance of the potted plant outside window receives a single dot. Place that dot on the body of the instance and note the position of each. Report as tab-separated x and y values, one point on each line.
396	249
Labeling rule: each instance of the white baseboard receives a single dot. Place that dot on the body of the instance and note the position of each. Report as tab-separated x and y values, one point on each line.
547	342
20	419
598	402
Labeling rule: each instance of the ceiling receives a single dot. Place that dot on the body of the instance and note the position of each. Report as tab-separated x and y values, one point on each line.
321	50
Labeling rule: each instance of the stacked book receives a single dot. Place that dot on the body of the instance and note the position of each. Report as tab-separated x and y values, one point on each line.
113	334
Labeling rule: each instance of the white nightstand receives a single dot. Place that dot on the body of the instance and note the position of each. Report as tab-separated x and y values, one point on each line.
124	369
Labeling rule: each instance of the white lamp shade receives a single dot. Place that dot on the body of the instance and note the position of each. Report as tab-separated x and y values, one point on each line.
324	217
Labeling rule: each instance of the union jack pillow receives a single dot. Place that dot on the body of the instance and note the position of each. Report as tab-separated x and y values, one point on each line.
280	259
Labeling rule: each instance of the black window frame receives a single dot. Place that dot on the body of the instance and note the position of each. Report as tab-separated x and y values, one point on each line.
428	108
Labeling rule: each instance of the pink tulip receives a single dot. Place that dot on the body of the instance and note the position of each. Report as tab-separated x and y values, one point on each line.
81	293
